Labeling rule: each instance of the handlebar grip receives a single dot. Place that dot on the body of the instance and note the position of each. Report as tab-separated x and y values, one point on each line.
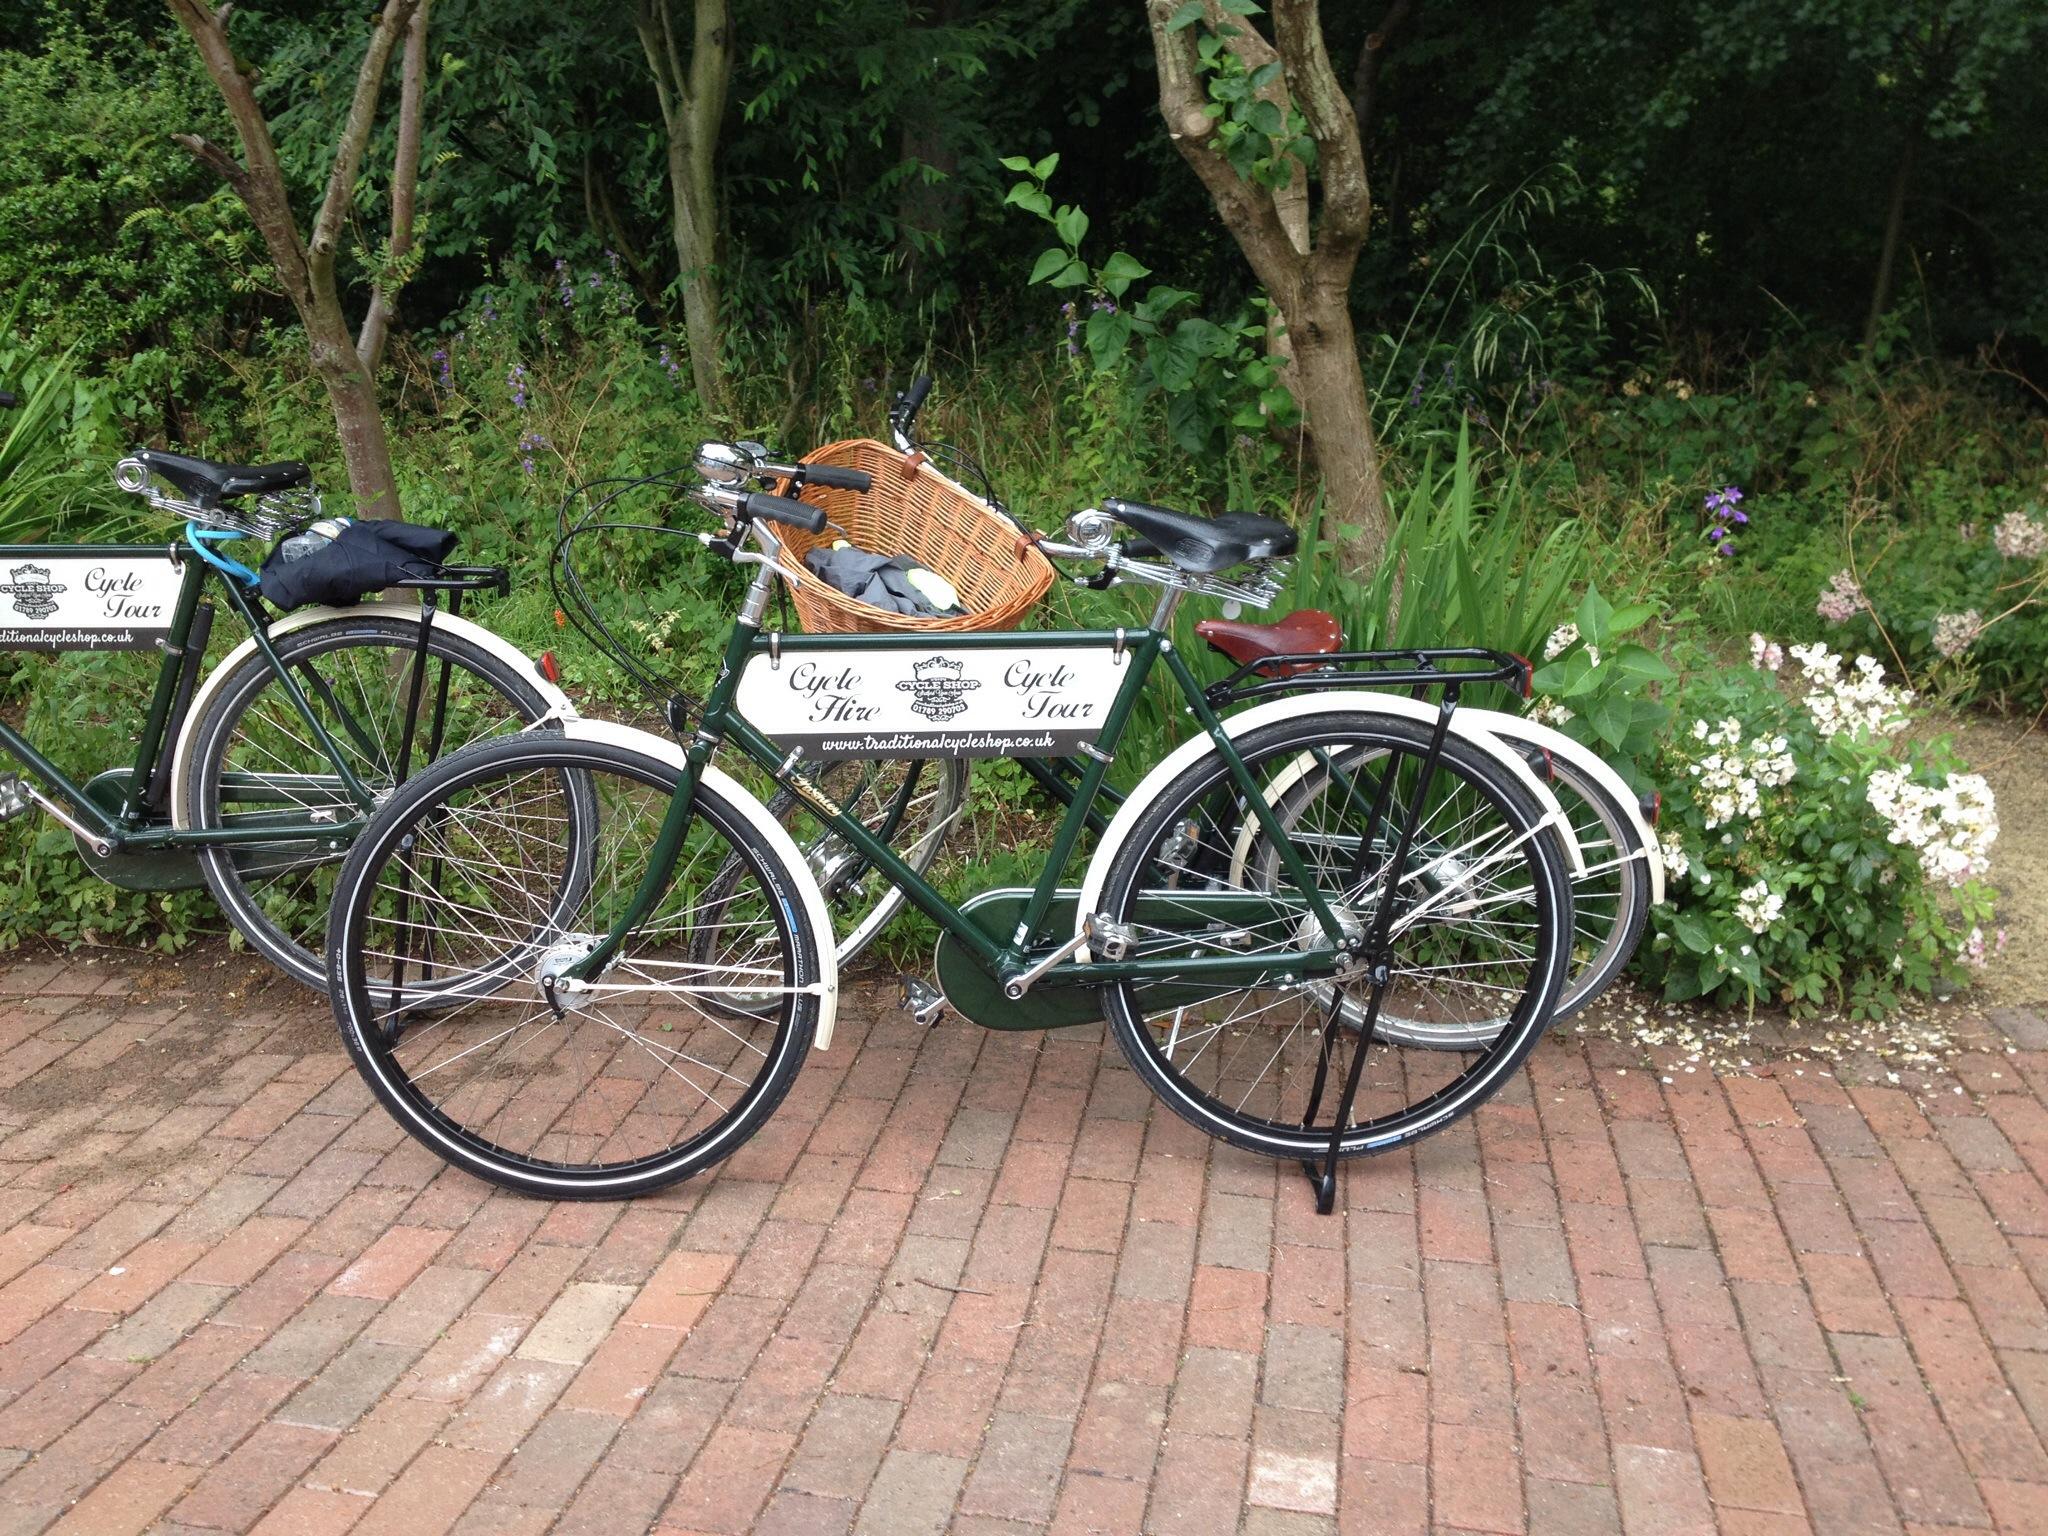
838	477
8	400
914	397
785	509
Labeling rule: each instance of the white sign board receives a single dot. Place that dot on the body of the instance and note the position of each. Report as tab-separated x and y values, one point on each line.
57	599
1007	702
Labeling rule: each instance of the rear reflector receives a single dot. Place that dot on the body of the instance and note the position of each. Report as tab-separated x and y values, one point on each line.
550	668
1653	806
1528	674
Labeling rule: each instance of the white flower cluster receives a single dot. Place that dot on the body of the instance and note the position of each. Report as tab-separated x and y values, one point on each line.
1951	827
1550	712
1954	633
1858	701
1766	655
2020	537
1561	640
1676	863
1732	773
1758	906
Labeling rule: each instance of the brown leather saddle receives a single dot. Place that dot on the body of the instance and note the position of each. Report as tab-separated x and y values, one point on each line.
1305	632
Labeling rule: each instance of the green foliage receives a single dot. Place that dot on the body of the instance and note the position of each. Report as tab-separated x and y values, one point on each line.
56	446
116	240
1603	680
1216	378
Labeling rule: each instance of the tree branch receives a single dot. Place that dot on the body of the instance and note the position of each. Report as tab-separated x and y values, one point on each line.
1246	210
1365	79
405	181
355	137
215	159
651	22
1347	198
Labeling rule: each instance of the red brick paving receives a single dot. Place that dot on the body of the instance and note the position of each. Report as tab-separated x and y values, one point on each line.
975	1282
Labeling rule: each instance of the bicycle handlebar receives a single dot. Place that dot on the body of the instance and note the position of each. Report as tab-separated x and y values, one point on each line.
837	477
785	509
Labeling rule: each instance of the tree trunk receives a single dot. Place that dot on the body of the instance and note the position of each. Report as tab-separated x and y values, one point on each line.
1894	229
1331	388
405	182
696	230
305	265
1305	262
692	96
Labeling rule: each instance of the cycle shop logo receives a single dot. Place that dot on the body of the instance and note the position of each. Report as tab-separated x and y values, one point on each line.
937	689
34	594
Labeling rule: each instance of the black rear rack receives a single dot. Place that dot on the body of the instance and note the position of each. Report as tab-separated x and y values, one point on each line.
1420	669
462	578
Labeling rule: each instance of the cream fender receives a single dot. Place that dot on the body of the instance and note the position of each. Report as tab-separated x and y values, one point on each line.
1594	767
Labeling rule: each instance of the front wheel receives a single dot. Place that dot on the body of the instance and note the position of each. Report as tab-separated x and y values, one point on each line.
1480	929
483	883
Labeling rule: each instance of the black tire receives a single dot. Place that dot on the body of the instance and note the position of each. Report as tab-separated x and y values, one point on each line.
544	1101
1162	887
277	895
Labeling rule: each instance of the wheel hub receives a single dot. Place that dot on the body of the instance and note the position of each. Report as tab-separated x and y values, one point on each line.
551	971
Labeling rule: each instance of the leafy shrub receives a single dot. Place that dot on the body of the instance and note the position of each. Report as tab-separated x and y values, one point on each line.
1814	856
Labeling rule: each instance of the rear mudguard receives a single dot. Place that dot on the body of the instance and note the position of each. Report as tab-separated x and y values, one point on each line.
1149	787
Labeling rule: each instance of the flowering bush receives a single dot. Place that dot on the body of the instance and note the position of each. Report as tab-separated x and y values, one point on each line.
1965	608
1812	856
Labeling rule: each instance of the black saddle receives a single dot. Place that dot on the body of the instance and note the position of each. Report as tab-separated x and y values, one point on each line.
208	484
1203	545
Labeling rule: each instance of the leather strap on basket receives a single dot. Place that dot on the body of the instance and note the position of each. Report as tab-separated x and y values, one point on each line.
912	463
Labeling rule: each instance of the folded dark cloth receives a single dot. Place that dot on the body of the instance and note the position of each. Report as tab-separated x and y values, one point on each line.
364	557
880	581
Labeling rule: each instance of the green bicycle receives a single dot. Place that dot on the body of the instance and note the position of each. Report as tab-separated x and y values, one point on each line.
630	957
252	778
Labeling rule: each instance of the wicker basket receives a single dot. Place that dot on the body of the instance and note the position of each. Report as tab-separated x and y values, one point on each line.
912	510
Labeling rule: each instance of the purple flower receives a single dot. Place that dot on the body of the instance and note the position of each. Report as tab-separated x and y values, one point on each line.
668	361
611	259
444	368
528	443
515	380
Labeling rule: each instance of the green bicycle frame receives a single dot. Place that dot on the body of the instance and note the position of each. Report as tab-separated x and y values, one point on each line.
127	831
719	722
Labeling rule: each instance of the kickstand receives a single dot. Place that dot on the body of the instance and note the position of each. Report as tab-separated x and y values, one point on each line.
1322	1175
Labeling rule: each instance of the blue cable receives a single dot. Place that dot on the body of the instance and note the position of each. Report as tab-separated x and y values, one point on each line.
195	536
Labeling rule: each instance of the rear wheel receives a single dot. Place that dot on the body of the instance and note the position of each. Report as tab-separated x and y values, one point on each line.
1610	898
1480	930
483	882
254	762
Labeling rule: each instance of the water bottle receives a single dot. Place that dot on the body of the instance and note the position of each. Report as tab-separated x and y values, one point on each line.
312	538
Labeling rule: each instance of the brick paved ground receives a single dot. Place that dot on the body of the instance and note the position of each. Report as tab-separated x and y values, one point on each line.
974	1282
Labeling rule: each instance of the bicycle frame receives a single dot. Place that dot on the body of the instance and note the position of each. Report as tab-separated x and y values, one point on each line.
1031	953
131	829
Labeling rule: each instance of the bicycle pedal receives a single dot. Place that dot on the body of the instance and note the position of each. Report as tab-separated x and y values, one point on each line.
920	999
14	799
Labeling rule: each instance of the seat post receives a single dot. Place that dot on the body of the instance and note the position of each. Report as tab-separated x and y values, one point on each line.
1162	615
